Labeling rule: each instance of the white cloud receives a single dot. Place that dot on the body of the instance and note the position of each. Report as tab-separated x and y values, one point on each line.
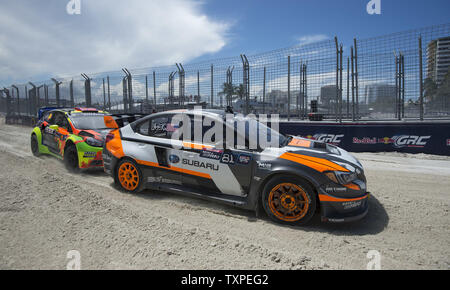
38	38
307	39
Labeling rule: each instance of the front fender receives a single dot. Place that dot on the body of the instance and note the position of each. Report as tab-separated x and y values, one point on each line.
280	168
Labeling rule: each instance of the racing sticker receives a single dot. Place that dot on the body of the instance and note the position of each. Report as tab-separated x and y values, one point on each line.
228	158
264	165
211	154
244	159
300	143
174	159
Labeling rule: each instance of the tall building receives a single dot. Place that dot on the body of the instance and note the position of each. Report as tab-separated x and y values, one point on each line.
438	55
379	93
328	94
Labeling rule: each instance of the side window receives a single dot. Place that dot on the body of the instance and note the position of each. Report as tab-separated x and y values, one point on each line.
50	118
159	127
59	119
65	124
142	128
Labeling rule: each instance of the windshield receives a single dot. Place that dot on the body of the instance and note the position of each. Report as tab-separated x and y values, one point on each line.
83	121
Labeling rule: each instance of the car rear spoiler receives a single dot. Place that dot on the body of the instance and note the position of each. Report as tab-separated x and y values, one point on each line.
120	120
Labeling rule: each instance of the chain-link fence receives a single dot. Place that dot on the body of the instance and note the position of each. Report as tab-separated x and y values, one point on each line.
399	76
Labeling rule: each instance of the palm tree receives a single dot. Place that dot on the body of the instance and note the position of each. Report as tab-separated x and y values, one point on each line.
240	91
228	91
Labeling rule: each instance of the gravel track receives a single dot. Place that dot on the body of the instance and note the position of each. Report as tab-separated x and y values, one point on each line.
45	211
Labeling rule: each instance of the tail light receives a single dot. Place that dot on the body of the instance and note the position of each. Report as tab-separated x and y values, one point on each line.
109	137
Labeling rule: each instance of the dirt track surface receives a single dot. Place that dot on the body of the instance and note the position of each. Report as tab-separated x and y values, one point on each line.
45	211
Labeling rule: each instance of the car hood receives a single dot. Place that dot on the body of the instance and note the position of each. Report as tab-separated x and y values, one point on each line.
316	149
313	148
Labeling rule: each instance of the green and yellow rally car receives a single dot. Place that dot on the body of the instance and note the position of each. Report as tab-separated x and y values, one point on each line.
74	135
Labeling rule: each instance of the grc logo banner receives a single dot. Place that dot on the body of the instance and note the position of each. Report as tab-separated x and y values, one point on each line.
400	141
327	138
410	141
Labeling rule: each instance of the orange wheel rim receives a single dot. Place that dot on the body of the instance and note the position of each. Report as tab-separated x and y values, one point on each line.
288	202
128	176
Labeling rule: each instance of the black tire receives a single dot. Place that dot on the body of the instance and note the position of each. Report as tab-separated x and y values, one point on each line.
35	145
289	200
128	176
71	158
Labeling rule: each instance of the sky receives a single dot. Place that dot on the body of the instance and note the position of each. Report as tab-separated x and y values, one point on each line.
39	39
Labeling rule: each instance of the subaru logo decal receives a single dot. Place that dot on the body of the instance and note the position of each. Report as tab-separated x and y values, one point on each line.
174	159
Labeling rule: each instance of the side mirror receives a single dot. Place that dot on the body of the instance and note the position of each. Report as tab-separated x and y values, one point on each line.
54	127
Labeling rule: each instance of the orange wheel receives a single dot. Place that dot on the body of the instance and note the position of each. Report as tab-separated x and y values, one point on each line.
289	200
128	176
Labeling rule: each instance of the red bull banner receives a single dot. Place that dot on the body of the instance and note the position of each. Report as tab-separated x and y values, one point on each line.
428	137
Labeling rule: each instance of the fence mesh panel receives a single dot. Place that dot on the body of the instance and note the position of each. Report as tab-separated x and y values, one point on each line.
378	78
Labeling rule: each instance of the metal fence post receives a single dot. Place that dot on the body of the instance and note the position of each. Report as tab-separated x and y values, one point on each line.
246	81
57	84
129	82
341	85
104	95
356	79
32	98
46	100
181	89
353	83
198	87
87	89
305	86
397	87
72	101
264	91
403	85
421	79
212	86
348	88
27	101
146	89
18	98
154	89
125	94
109	94
337	79
8	101
289	89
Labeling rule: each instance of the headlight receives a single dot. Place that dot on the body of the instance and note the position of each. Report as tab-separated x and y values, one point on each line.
341	177
94	142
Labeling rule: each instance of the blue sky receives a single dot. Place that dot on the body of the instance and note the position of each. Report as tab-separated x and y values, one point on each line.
39	39
262	25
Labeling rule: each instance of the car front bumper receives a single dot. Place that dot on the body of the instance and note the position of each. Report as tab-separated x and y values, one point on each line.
340	210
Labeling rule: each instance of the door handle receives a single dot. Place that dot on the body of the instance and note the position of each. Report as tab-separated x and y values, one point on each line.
141	145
